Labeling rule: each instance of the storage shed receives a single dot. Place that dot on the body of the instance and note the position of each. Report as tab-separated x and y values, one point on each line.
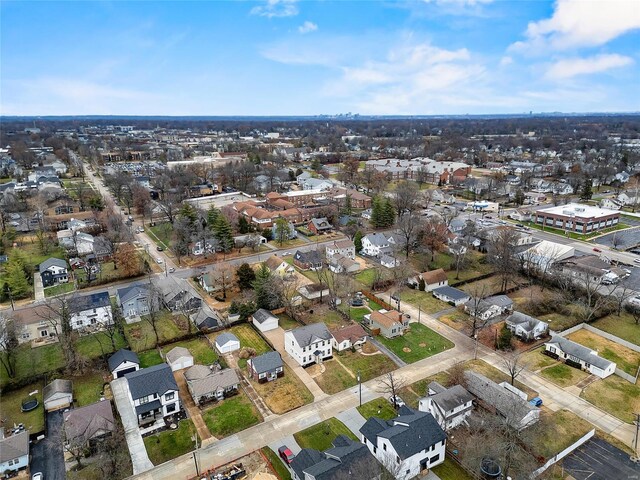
227	342
179	358
58	394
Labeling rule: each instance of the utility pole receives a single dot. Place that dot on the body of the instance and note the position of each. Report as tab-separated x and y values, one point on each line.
195	457
637	422
360	389
475	353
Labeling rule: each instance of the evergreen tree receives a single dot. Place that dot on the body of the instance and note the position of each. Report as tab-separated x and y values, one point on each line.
212	215
246	276
223	232
422	285
243	225
262	288
357	240
377	213
347	208
586	192
388	213
16	278
519	197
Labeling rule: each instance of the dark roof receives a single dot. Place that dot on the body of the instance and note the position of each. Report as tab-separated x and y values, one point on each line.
206	318
57	386
580	351
51	262
147	381
312	256
346	458
451	398
266	362
121	356
527	323
409	433
309	334
305	459
89	302
82	424
262	315
451	292
126	293
147	407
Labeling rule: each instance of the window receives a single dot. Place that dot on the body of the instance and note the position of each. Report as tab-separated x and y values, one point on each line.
397	459
434	459
169	396
171	408
44	333
384	447
144	400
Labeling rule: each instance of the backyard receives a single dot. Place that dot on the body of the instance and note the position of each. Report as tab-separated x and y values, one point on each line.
285	393
203	353
626	359
623	326
88	388
423	300
169	444
11	408
286	322
94	345
149	358
251	339
231	415
417	343
322	435
450	470
614	395
33	361
141	337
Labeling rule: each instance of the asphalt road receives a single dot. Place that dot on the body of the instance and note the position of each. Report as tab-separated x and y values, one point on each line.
47	456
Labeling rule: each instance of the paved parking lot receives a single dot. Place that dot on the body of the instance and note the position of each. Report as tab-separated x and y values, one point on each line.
599	460
626	239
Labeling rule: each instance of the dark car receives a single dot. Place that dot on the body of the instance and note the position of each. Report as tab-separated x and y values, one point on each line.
597	250
286	454
159	249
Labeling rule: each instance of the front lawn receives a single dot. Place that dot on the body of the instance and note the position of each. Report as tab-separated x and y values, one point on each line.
140	334
625	358
149	358
335	378
199	347
59	289
423	300
379	407
562	429
536	359
322	435
417	343
88	388
33	361
11	408
161	233
563	375
94	345
284	394
623	326
274	460
170	444
614	395
231	415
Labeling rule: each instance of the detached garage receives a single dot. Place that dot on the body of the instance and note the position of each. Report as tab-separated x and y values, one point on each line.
179	358
227	343
264	320
58	394
123	362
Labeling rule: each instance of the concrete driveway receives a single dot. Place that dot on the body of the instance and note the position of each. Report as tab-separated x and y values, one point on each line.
47	455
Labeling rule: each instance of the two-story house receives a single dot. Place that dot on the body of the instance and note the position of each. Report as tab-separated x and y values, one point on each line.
390	323
318	226
153	393
376	244
279	267
53	271
344	247
90	310
408	445
311	260
309	344
123	362
134	301
432	279
449	406
14	452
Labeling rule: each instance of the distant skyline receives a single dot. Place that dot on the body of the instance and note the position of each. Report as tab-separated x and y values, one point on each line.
288	57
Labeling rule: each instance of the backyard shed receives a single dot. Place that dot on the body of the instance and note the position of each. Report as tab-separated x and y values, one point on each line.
58	394
227	342
179	358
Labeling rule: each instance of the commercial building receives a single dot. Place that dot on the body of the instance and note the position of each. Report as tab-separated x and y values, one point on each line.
575	217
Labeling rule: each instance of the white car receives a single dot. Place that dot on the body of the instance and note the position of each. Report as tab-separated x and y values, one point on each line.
396	401
637	260
159	261
37	476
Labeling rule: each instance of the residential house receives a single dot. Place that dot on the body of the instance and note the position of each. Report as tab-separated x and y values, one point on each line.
58	394
412	443
344	247
525	327
390	323
14	452
611	203
515	410
311	260
366	214
179	358
389	261
451	295
227	342
208	383
206	319
175	294
352	336
90	310
588	269
314	292
86	426
339	263
432	280
266	367
375	244
279	267
490	307
153	392
53	272
133	301
346	459
449	406
442	197
75	242
264	320
317	184
123	362
579	356
309	344
208	283
319	226
520	215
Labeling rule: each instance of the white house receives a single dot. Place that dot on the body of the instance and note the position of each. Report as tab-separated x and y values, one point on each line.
389	261
58	394
264	320
90	310
526	327
352	336
123	362
227	342
449	406
14	452
451	295
611	203
153	392
309	344
344	247
374	244
432	279
179	358
413	442
579	355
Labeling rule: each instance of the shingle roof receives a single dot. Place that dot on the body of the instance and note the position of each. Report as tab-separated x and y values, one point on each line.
177	353
57	386
581	352
273	262
203	380
206	318
147	381
451	398
266	362
346	458
525	321
120	356
434	276
312	256
81	424
132	291
377	239
352	332
451	292
262	315
387	319
52	262
309	334
226	337
14	446
305	459
89	302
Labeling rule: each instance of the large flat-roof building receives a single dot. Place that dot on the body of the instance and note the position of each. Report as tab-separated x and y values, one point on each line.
576	217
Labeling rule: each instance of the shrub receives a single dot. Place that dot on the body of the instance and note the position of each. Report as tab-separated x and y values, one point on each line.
504	339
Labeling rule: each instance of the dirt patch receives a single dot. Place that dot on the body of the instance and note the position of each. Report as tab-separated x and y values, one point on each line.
314	370
406	350
369	348
422	344
252	464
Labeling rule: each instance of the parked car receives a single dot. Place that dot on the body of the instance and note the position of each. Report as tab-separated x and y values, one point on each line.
171	270
37	476
536	402
637	260
286	454
159	249
396	401
597	250
159	260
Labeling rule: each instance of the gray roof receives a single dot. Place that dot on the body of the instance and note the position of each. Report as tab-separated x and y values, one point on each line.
451	292
321	223
346	458
82	424
312	256
176	353
305	459
57	386
206	318
226	337
52	262
309	334
499	300
262	315
580	351
14	446
450	398
377	239
525	321
127	293
203	381
266	362
89	302
121	356
147	381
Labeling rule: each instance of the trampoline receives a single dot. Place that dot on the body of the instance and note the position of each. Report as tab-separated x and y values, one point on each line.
29	404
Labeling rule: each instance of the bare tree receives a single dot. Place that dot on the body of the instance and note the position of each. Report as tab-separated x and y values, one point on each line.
513	366
8	345
155	303
409	227
406	197
390	385
113	460
478	293
501	255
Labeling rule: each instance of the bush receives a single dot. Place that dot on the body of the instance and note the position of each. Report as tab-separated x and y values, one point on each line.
247	352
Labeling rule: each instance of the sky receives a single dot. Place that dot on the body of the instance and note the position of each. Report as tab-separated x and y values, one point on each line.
289	57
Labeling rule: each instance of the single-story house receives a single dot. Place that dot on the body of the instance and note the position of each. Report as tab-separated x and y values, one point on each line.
389	261
14	452
264	320
58	394
89	424
227	342
526	327
207	383
179	358
432	279
311	260
314	291
339	263
580	356
451	295
390	323
266	367
123	362
279	267
347	337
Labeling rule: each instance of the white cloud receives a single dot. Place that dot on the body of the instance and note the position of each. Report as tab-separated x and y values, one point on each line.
571	67
276	8
460	7
307	27
580	23
506	60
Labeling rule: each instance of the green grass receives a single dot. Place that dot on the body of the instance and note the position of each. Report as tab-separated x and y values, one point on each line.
284	394
107	273
90	346
249	338
424	300
366	277
418	334
614	395
200	348
87	389
161	233
170	444
335	378
33	361
358	314
322	435
535	359
287	323
559	321
623	326
231	415
12	402
450	470
59	289
379	407
140	335
375	306
369	366
274	460
625	359
149	358
563	375
563	428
